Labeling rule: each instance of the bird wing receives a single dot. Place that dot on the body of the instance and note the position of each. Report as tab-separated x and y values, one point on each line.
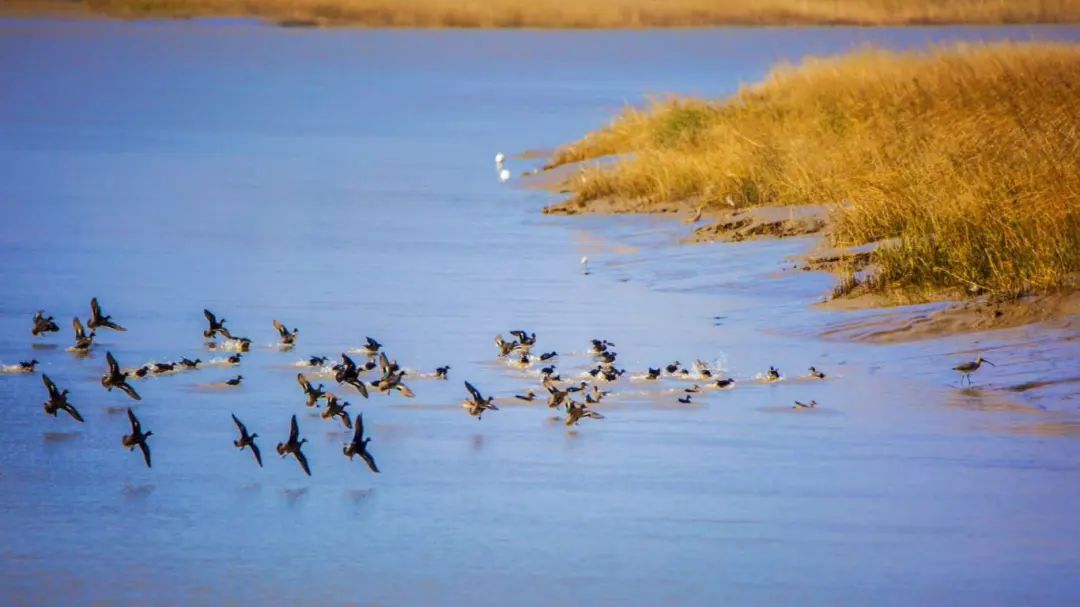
348	361
136	427
345	419
374	345
294	430
95	309
114	369
300	379
300	457
281	328
129	391
384	364
369	460
210	318
258	454
405	391
360	387
358	435
80	333
474	392
50	386
240	425
72	411
145	452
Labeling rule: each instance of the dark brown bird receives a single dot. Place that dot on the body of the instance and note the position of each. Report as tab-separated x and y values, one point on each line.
505	347
58	400
164	367
27	366
684	400
335	408
442	372
187	363
114	378
358	445
348	373
98	320
216	326
247	440
234	359
137	438
288	337
575	412
653	374
371	348
234	381
527	397
83	342
293	445
313	394
391	378
43	324
725	383
476	404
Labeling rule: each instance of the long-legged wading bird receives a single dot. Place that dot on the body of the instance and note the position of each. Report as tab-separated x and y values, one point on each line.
114	378
292	446
137	438
247	440
476	404
98	319
358	445
43	324
58	400
966	369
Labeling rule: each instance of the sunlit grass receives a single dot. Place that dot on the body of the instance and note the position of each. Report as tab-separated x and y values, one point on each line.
967	157
608	13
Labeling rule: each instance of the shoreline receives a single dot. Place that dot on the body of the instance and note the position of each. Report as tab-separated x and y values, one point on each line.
558	14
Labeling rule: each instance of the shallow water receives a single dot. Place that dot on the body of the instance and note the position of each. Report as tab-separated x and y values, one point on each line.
342	181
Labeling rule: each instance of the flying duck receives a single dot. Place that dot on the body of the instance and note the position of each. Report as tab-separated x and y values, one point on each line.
216	326
358	445
524	338
575	412
476	404
335	409
505	347
83	342
97	319
137	438
347	373
313	394
773	374
556	396
247	440
288	337
293	445
58	400
371	348
43	324
114	378
391	378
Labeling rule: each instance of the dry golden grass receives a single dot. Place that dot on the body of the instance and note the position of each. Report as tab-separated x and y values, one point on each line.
608	13
967	158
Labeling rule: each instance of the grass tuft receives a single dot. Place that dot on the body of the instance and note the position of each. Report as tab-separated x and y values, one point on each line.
965	158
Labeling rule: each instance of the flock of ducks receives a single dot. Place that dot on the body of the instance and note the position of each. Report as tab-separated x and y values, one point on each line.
574	399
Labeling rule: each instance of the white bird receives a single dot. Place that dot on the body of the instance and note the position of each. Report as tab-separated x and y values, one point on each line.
504	175
499	158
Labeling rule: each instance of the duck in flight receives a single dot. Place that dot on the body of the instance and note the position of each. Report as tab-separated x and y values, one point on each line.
371	347
391	378
358	445
334	408
83	342
524	338
137	438
292	446
773	374
43	324
348	373
476	404
288	338
505	347
313	394
58	400
98	319
247	440
556	396
217	327
575	412
115	378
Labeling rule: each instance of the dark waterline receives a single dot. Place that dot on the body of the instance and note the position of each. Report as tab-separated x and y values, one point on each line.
342	181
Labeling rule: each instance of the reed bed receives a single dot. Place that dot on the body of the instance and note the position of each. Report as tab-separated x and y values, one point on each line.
606	13
964	159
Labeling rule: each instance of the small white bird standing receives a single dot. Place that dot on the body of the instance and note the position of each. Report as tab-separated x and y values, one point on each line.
499	158
504	175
